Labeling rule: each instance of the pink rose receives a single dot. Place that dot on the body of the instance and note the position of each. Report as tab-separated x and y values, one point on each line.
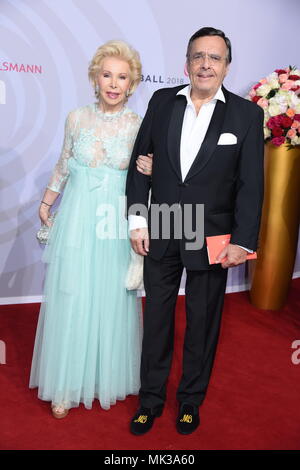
288	85
278	141
263	103
291	133
290	112
283	77
296	125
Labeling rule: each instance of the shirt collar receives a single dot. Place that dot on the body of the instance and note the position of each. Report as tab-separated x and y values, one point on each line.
186	91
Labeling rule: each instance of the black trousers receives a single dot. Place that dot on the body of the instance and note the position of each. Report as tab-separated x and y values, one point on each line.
204	292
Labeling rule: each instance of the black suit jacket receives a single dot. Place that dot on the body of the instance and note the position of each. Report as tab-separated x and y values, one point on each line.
227	179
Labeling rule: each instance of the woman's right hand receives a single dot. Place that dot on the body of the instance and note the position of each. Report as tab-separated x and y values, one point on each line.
144	164
44	213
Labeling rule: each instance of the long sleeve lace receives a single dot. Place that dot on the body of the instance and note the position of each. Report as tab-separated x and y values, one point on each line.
60	174
94	138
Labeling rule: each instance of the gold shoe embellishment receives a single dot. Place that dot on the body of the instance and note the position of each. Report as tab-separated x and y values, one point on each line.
141	419
186	419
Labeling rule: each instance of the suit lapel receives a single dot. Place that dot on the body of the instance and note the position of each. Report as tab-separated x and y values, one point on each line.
211	137
174	133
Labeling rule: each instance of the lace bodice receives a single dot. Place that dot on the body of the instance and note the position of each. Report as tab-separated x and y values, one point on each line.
95	138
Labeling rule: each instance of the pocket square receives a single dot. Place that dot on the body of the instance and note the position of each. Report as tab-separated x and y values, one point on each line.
227	139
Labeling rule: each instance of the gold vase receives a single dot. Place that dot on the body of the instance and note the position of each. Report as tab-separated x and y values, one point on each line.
273	269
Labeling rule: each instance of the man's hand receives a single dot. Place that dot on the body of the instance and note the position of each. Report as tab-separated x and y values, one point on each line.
139	239
233	254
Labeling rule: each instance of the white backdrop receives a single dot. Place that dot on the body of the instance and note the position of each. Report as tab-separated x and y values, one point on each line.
45	48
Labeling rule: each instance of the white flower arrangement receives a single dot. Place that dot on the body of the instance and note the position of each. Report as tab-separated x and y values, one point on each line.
278	95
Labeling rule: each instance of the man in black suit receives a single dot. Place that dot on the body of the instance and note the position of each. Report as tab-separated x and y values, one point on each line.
208	152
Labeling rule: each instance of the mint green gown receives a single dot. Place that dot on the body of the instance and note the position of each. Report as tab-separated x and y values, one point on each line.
88	339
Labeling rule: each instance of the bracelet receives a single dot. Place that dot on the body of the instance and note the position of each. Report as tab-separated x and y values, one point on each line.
43	202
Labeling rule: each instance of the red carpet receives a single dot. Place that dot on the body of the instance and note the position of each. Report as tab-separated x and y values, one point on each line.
253	400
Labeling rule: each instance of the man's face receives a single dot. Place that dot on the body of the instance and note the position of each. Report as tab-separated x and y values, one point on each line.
207	65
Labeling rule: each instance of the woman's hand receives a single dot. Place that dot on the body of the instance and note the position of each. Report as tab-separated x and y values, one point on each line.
144	164
44	213
48	200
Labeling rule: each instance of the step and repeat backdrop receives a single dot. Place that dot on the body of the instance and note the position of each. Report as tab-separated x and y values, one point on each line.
45	49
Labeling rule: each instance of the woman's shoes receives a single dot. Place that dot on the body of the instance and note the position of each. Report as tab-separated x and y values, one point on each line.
59	412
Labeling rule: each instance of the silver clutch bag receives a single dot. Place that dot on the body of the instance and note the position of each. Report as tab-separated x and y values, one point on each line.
43	233
134	277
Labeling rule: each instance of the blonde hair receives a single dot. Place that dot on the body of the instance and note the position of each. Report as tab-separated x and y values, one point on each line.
123	51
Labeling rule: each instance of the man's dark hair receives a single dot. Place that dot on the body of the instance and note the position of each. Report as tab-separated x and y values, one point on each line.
208	31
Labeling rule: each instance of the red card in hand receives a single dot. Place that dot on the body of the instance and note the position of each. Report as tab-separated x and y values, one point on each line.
217	243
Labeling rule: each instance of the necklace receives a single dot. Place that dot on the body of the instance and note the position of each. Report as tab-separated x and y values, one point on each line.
105	116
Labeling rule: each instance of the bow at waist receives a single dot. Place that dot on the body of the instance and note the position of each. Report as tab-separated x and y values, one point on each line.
97	177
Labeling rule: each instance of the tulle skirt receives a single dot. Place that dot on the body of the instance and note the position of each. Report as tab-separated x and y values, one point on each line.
88	339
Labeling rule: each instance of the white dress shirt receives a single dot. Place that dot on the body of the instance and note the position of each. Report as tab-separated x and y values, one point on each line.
194	128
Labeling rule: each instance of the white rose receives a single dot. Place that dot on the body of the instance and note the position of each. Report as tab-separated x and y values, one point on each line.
263	90
281	101
277	98
274	84
293	99
274	109
266	117
295	140
267	132
282	95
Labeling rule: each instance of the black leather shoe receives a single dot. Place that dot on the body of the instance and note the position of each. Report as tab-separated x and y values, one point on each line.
188	418
143	420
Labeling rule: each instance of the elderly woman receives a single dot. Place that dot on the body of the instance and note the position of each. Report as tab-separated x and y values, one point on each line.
88	336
